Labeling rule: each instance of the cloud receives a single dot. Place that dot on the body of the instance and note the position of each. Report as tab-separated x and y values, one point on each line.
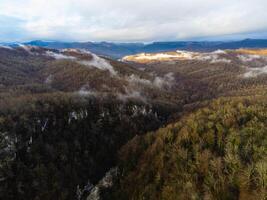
254	72
99	63
248	58
59	56
95	61
122	20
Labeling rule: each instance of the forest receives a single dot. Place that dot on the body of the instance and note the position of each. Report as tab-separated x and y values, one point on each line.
177	129
216	152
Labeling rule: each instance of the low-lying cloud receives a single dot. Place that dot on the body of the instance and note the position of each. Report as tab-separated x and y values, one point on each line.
95	61
99	63
6	47
254	72
248	58
59	56
156	81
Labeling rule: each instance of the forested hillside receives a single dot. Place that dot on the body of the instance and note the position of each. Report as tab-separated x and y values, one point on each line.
63	117
70	119
217	152
216	149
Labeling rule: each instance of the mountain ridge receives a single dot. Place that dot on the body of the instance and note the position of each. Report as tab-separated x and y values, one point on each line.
119	50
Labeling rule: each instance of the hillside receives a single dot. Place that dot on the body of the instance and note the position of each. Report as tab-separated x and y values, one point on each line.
216	152
216	149
30	69
66	113
209	75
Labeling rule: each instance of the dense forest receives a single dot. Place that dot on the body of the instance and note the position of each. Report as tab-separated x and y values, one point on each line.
217	152
55	143
174	129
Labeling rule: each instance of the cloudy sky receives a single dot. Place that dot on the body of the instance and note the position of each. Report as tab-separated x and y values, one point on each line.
132	20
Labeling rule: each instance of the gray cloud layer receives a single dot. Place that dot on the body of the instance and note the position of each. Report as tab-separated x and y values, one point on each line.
131	20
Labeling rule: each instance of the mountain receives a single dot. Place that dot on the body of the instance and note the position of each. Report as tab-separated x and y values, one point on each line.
77	125
118	50
217	147
216	152
114	50
64	114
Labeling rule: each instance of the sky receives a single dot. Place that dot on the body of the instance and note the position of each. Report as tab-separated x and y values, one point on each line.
132	20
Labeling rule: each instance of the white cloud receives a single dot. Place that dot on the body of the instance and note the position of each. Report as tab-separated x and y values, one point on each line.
99	63
248	58
254	72
125	20
59	56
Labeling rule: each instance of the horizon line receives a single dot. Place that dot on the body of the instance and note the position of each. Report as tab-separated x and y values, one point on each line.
128	42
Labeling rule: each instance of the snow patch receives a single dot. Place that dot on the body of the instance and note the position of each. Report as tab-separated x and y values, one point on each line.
213	57
187	54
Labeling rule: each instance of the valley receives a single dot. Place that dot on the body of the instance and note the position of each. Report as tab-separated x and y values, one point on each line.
187	124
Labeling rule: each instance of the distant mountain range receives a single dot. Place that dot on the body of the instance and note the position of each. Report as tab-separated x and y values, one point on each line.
119	50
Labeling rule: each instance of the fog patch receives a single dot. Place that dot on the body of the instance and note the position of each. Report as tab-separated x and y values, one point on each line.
167	80
136	79
254	72
29	48
59	56
72	50
131	93
159	82
99	63
248	58
212	58
6	47
219	51
26	48
96	61
49	79
141	68
86	91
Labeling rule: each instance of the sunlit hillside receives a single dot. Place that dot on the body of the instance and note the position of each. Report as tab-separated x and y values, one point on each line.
262	52
216	152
